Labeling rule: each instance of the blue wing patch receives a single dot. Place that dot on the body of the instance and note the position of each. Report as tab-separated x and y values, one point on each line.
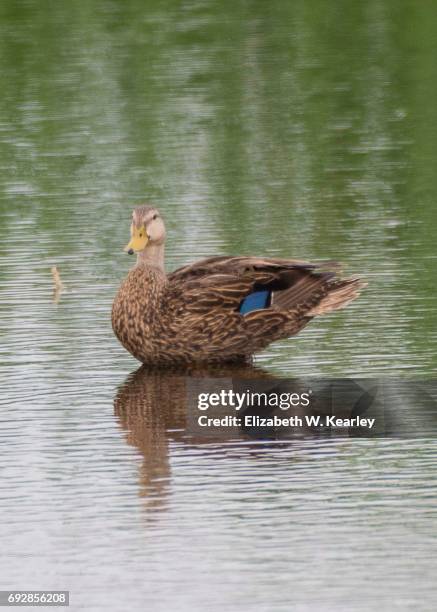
255	301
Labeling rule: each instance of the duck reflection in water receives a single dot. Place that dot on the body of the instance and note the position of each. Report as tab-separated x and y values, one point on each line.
158	408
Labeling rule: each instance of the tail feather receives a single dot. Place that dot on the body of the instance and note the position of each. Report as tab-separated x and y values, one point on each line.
340	295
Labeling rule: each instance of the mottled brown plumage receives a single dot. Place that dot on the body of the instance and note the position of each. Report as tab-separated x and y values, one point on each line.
192	314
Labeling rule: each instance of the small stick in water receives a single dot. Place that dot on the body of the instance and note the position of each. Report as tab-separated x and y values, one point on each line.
59	286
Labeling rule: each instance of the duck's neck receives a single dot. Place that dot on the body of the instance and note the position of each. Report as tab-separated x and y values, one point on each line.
153	255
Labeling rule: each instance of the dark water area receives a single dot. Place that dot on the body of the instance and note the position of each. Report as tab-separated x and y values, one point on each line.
282	129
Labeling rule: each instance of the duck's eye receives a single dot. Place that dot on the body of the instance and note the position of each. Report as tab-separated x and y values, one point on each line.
155	216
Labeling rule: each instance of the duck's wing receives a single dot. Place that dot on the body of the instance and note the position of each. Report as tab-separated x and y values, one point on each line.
249	284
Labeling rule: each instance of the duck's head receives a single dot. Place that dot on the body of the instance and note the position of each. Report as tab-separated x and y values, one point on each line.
147	229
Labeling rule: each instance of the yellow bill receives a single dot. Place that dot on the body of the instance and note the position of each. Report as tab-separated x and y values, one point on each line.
138	240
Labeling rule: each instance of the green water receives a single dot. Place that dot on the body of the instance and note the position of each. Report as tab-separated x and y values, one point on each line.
292	129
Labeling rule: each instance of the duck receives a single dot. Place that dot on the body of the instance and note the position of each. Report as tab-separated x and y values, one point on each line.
219	310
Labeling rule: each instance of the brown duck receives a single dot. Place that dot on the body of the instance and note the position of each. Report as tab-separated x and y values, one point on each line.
220	309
